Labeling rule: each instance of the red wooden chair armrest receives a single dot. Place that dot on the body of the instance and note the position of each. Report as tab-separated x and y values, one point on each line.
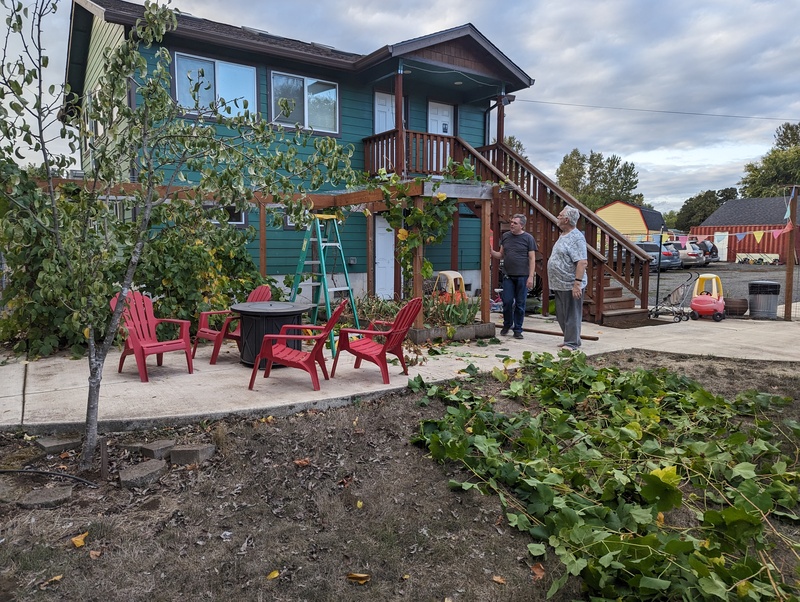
205	315
184	324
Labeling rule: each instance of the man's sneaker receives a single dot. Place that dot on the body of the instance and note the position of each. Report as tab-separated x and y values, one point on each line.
504	332
518	335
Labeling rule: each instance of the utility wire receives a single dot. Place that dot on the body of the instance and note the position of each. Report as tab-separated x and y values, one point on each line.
570	104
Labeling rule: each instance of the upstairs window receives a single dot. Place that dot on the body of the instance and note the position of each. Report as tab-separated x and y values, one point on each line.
316	102
218	79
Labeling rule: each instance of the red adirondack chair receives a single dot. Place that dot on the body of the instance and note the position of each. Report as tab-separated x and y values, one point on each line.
230	327
367	348
140	323
275	348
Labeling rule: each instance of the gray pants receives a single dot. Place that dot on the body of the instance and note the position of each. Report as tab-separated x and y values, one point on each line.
569	314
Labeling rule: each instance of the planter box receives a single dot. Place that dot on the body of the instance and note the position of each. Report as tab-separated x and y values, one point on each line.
485	330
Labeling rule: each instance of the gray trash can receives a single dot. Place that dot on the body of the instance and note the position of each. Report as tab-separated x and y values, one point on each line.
764	299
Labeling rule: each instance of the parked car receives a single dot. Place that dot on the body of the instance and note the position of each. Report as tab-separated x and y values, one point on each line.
690	254
669	259
709	249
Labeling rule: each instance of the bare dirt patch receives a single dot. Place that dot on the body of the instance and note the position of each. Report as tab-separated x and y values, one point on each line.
306	500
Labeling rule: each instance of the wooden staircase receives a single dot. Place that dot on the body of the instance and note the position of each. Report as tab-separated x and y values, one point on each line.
617	290
618	271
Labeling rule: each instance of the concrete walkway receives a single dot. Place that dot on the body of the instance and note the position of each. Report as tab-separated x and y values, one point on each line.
49	395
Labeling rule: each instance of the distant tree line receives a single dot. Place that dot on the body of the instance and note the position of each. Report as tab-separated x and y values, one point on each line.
596	180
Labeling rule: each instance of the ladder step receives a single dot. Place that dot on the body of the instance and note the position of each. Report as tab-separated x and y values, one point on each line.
333	289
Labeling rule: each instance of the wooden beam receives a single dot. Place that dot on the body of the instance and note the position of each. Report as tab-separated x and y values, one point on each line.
791	259
486	260
371	255
416	284
400	146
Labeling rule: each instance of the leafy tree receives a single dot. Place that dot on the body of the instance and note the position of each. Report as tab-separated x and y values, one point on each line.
597	181
671	218
778	169
515	144
696	209
787	135
85	252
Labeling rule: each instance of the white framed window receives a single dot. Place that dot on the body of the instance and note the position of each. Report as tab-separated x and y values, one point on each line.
218	79
316	102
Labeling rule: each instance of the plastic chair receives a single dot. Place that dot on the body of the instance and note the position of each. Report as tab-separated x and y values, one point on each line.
230	327
140	323
275	348
367	348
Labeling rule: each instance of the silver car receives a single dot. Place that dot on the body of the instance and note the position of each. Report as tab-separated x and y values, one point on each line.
690	254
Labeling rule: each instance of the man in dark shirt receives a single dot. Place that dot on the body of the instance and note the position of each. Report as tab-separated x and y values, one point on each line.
518	252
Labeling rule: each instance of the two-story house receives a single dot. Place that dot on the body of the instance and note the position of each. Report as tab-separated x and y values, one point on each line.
406	107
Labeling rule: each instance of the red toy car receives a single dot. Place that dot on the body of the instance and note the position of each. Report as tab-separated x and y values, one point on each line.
707	299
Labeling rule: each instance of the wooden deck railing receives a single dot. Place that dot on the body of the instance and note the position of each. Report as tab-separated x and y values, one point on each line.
524	189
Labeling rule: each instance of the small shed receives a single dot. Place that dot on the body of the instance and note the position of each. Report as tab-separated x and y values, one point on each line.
747	228
636	222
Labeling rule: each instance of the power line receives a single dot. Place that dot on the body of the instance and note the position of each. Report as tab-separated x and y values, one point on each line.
571	104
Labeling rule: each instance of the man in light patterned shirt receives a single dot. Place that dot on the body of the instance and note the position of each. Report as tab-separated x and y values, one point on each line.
566	274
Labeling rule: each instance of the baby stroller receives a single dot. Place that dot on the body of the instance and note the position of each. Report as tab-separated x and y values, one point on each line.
674	303
708	299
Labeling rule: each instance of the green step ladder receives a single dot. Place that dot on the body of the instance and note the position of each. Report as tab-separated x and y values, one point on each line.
322	235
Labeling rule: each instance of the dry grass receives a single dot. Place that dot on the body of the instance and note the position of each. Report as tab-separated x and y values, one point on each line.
313	496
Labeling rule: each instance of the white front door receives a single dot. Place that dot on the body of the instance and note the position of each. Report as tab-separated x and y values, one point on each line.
384	112
440	121
384	259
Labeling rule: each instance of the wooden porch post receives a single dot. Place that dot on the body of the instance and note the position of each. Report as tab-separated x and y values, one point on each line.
416	284
400	146
370	254
501	117
486	260
791	249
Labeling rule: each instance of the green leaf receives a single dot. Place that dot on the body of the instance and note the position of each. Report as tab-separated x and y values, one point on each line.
713	586
655	584
745	470
536	549
663	495
642	516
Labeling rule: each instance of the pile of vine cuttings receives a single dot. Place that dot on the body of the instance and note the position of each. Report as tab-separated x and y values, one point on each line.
642	483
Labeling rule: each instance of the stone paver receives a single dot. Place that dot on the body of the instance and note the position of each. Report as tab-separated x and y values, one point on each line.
142	474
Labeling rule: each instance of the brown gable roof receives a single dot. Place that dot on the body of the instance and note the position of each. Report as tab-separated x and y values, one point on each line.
464	46
245	38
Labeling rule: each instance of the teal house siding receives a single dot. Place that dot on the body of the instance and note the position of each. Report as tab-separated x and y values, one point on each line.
445	67
472	125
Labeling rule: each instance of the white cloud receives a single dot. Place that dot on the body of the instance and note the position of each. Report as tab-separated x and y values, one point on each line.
724	57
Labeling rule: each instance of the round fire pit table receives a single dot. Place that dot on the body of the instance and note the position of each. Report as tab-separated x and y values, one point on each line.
266	317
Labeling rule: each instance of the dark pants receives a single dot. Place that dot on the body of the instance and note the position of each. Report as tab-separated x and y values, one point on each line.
515	294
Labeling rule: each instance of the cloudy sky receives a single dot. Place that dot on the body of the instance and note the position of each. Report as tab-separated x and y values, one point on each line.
687	90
